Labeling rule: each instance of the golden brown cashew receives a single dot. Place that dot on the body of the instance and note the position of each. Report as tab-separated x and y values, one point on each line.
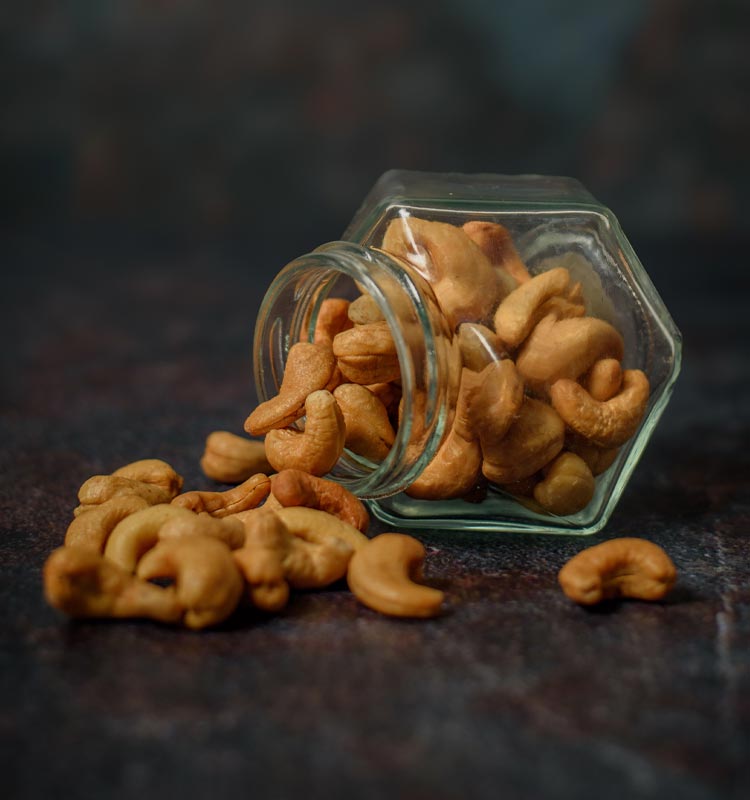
249	494
369	432
389	395
598	459
152	470
568	485
607	424
533	440
293	487
229	458
100	488
367	354
90	530
81	583
319	446
208	583
261	560
604	379
333	317
495	242
383	576
626	567
479	346
365	310
453	471
301	521
309	367
566	348
229	530
139	532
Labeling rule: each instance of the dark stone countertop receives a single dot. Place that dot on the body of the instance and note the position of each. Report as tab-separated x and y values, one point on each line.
117	353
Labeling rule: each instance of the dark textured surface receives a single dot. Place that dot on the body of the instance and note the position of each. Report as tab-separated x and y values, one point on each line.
114	352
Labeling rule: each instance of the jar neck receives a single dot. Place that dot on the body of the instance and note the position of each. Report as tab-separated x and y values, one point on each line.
422	337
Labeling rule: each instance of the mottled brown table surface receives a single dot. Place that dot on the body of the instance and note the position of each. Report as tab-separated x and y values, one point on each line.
116	351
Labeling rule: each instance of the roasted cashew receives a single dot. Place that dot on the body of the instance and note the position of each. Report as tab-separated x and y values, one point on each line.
520	310
606	424
479	346
466	285
319	446
604	380
100	488
139	532
249	494
495	241
365	310
208	583
453	471
383	576
333	317
309	367
367	354
229	458
626	567
302	521
229	530
152	470
369	432
533	440
598	459
567	487
293	487
90	530
566	348
82	583
389	395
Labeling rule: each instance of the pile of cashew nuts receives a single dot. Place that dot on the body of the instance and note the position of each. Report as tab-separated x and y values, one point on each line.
538	400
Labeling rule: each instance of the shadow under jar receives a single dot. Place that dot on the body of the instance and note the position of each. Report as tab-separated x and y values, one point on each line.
533	356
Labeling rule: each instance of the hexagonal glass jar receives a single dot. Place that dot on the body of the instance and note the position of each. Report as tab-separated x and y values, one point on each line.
552	222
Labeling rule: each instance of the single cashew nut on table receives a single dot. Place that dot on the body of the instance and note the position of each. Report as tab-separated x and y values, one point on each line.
249	494
384	575
626	567
207	580
568	485
82	583
369	432
308	367
152	470
229	458
91	530
319	446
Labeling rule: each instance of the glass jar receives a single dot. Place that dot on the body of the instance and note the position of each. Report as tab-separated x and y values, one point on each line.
406	252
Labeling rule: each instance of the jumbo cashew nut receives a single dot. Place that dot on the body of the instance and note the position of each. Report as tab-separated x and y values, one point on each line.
229	458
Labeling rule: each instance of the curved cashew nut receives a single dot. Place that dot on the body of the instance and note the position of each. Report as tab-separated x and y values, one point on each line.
606	424
479	346
383	576
318	447
520	310
626	567
208	583
90	530
100	488
533	440
365	310
81	583
369	432
604	380
139	532
152	470
495	241
566	348
333	317
229	530
453	471
598	459
293	487
389	395
309	367
229	458
249	494
567	487
367	354
304	522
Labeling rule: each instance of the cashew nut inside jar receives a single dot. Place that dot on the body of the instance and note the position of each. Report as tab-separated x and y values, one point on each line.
477	352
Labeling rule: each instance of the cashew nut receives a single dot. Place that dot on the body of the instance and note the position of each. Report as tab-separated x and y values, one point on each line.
604	379
626	567
383	576
333	317
208	583
606	424
365	310
229	530
249	494
520	310
100	488
389	395
319	446
301	521
369	432
90	530
81	583
598	459
152	470
495	242
479	346
229	458
309	367
534	439
293	487
367	354
139	532
453	471
566	348
568	485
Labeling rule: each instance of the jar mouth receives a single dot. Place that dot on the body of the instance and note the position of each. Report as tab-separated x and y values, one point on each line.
288	314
